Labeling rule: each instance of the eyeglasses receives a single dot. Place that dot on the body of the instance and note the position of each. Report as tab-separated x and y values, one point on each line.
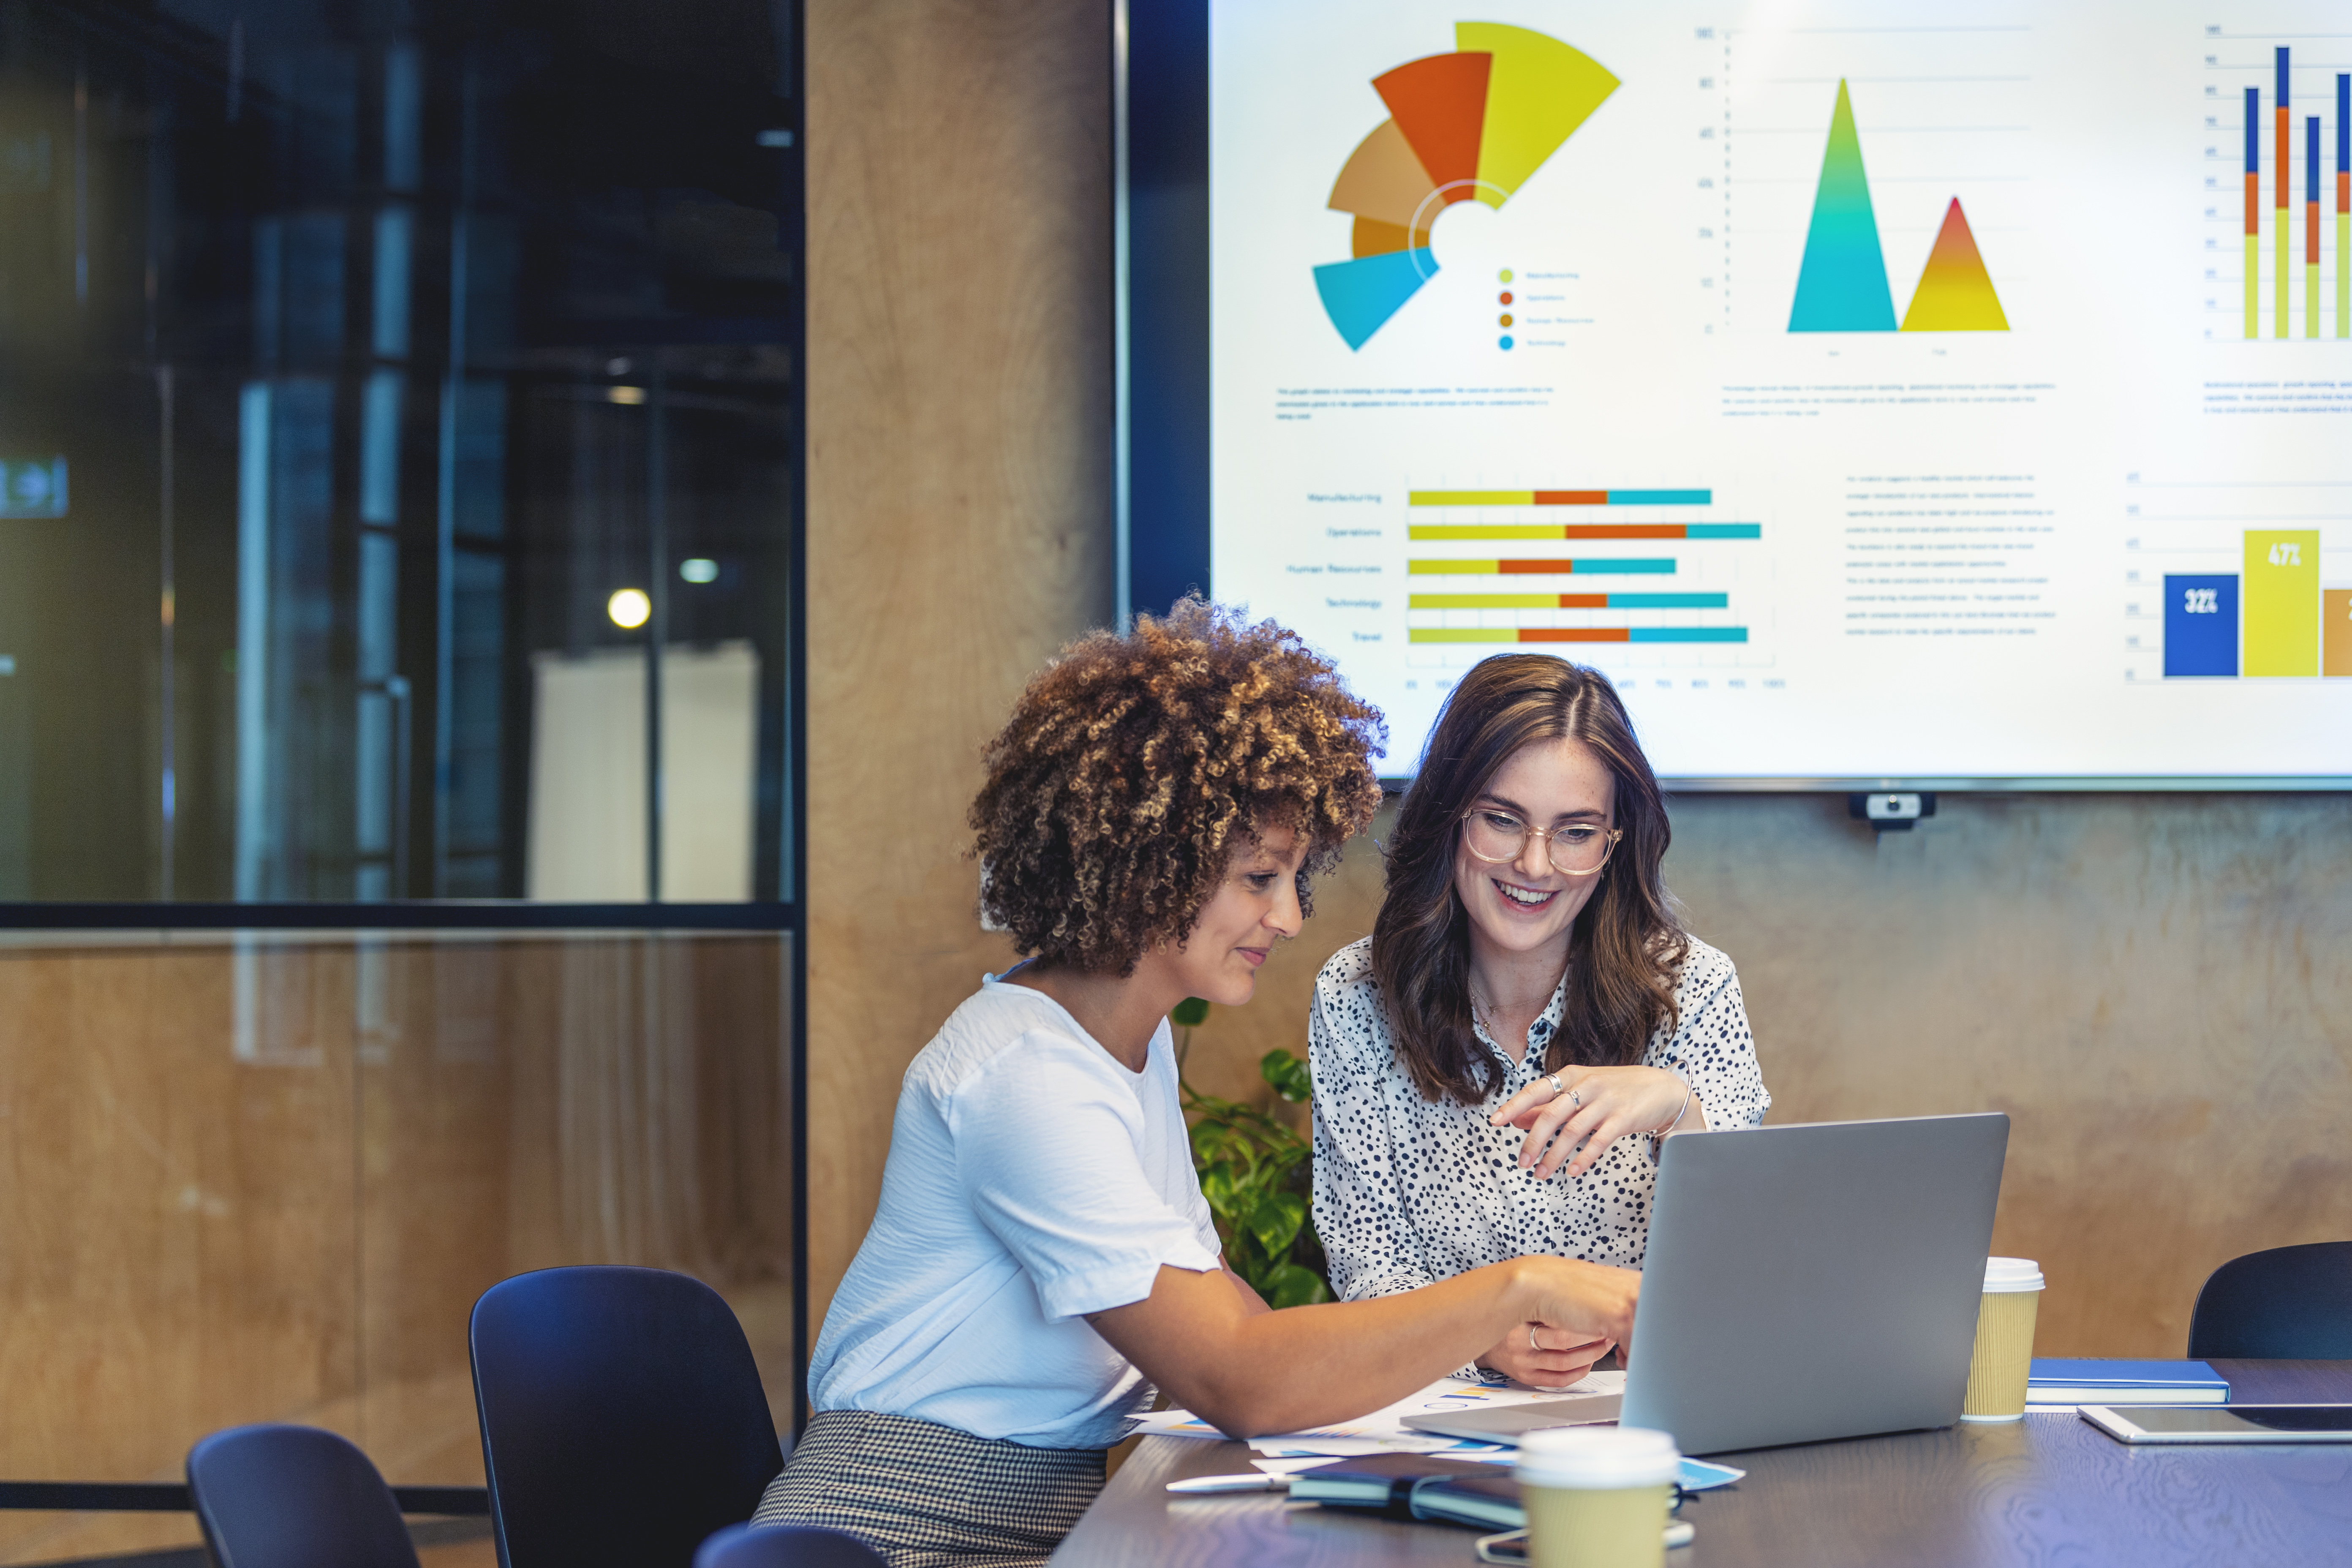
1498	837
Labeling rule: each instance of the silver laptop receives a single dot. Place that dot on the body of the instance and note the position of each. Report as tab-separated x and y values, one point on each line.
1803	1283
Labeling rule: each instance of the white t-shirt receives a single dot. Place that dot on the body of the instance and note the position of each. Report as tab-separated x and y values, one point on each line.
1032	1179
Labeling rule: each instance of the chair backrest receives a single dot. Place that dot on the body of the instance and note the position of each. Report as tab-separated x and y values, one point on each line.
2291	1303
786	1546
623	1419
294	1497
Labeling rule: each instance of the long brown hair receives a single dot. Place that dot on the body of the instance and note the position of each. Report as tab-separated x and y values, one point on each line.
1626	947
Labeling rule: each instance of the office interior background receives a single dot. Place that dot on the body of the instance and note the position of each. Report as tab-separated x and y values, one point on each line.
384	916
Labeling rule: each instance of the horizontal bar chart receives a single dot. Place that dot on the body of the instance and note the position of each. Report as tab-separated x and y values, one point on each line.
1561	498
1577	634
1586	530
1582	566
1570	602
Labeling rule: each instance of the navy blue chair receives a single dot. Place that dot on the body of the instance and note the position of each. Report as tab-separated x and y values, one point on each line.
623	1419
2290	1303
786	1546
294	1497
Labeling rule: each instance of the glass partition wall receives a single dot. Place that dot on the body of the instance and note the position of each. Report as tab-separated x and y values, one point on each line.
399	441
395	448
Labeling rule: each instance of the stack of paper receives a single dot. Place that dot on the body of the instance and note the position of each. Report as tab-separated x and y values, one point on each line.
1383	1431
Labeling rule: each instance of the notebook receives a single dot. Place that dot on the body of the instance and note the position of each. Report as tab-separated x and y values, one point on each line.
2101	1379
1382	1483
1490	1500
1456	1492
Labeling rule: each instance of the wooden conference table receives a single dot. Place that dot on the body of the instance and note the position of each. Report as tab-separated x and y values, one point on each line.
2046	1489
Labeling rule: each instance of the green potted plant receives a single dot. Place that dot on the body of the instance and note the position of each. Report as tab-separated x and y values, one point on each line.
1258	1177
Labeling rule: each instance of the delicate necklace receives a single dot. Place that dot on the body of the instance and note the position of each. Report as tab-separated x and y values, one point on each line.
1479	1011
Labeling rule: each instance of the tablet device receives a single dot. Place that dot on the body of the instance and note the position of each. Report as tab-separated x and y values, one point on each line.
2223	1422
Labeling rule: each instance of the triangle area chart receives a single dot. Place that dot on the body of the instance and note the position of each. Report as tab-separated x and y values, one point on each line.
1841	283
1467	126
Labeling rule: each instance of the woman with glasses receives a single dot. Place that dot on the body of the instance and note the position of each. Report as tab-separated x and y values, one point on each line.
1042	1256
1497	1065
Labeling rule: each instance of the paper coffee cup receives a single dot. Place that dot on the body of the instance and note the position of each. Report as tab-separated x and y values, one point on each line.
1596	1496
2004	1355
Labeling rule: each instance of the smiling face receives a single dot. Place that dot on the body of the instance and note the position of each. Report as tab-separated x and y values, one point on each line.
1255	907
1529	905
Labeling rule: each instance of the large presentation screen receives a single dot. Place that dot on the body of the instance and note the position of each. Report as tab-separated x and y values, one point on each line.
1944	393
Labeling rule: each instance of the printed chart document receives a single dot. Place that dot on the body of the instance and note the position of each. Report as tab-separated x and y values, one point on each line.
1383	1431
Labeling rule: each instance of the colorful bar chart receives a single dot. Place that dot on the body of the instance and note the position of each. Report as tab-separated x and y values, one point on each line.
1580	567
1561	498
1579	634
2282	602
2279	175
2311	226
2200	625
2282	203
1510	608
1586	530
2253	212
2270	619
1570	602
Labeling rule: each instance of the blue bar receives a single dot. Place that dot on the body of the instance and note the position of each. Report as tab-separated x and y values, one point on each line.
2282	77
1687	633
2343	125
1669	601
2311	159
2200	626
1661	567
1723	530
2254	130
1661	497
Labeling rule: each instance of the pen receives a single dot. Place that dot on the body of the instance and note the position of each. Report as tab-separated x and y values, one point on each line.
1252	1483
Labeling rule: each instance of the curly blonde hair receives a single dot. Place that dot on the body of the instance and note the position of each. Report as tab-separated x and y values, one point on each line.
1134	766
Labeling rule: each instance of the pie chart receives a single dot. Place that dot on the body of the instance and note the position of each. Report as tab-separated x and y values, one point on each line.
1467	126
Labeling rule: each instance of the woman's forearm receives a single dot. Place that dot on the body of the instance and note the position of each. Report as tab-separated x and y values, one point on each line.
1309	1366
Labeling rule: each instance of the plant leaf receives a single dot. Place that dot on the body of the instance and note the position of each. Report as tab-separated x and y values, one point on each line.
1290	1077
1190	1013
1294	1285
1275	1221
1217	1186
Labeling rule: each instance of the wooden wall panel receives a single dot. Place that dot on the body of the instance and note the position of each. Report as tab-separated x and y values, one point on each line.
205	1222
959	494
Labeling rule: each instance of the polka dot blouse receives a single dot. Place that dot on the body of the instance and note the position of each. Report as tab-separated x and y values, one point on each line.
1410	1191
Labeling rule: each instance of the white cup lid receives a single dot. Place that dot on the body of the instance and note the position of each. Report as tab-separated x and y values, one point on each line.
1597	1459
2007	1276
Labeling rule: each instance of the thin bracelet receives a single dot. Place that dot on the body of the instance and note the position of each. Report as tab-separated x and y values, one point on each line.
1677	1121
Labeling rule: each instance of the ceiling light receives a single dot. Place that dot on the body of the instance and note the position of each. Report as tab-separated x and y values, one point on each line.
629	608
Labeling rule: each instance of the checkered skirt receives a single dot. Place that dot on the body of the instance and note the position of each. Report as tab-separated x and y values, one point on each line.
926	1496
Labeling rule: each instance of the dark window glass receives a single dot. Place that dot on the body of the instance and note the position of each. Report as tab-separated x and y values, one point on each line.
394	450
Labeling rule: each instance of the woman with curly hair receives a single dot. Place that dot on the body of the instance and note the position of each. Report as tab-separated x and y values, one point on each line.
1497	1065
1042	1256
